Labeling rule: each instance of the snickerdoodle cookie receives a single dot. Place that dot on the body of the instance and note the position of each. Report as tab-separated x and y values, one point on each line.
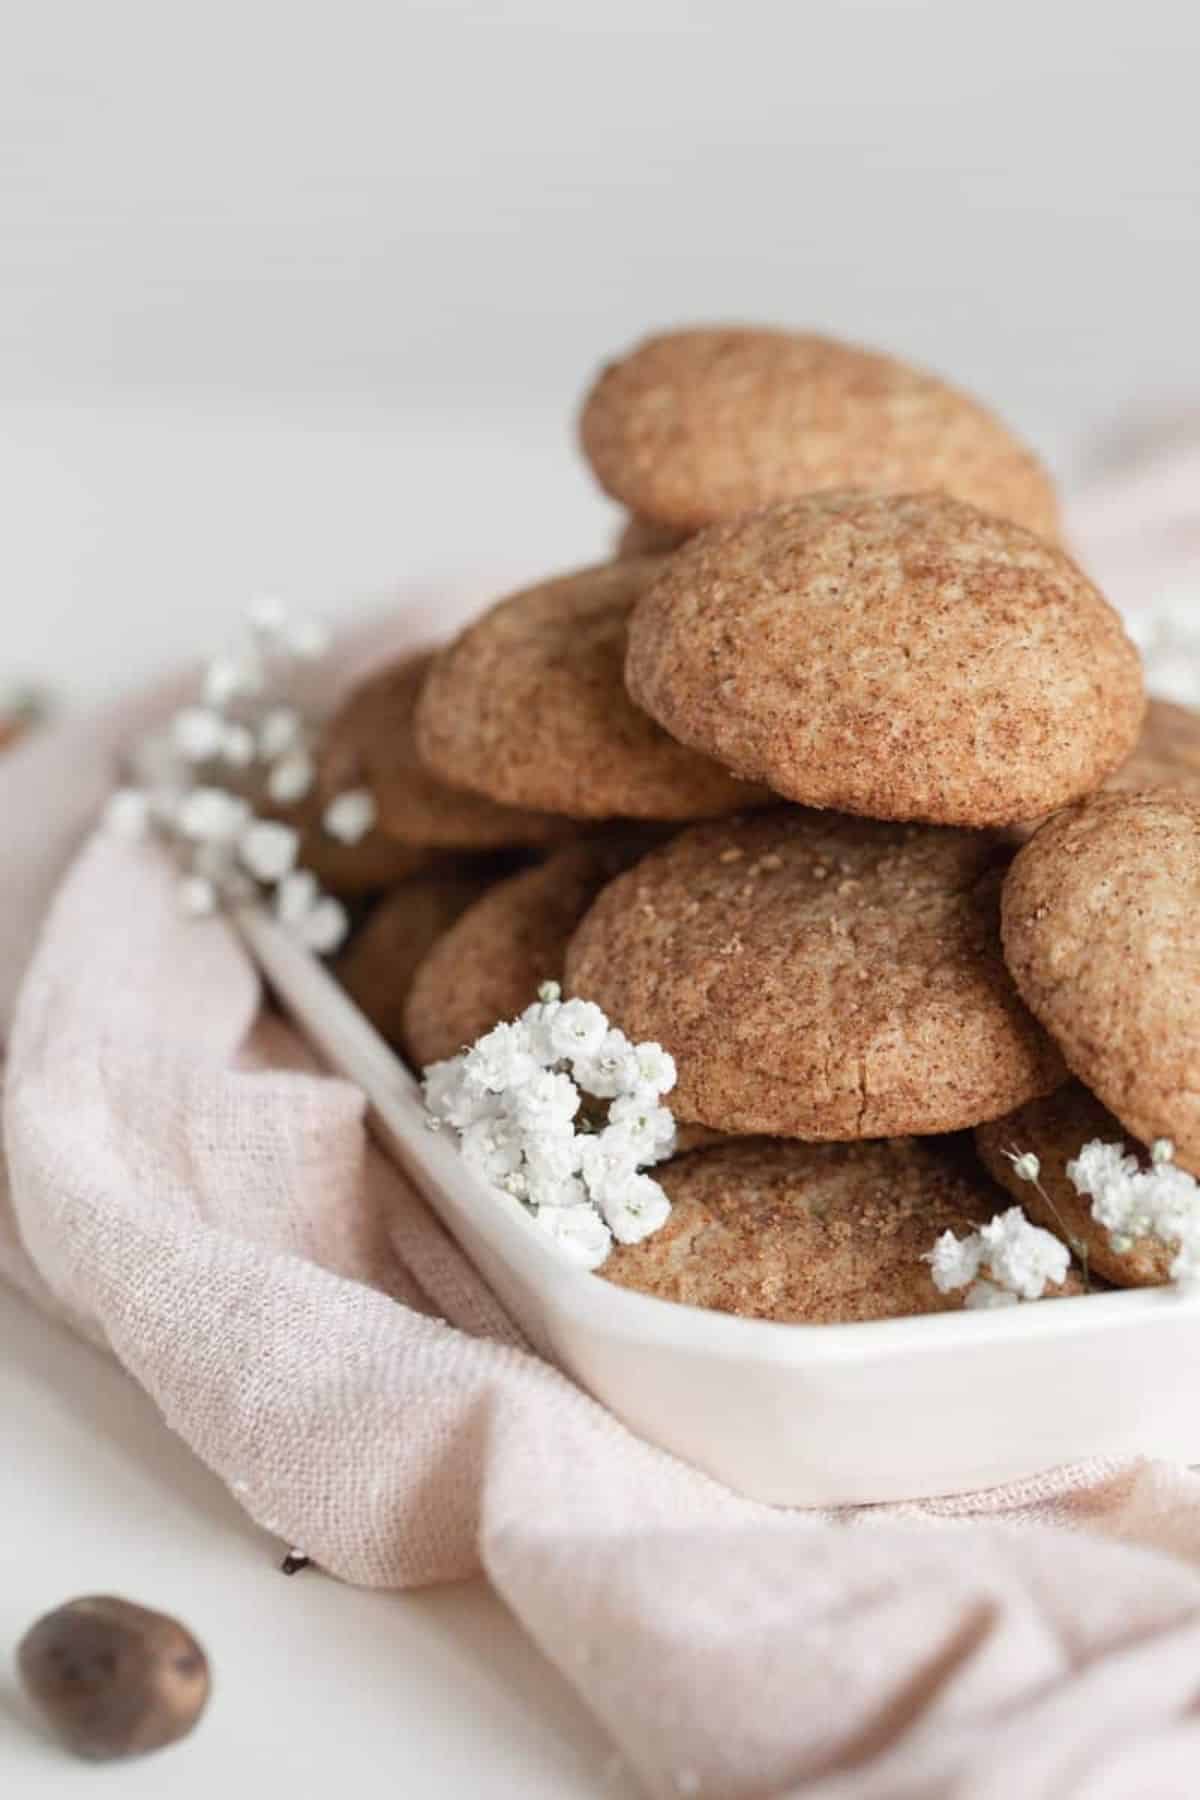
1055	1129
1167	754
704	424
368	743
1100	914
809	1233
900	657
819	977
489	965
529	706
377	968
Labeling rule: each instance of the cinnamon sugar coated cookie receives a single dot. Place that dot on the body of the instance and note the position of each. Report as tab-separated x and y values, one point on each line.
819	977
1100	914
1055	1129
369	744
900	657
809	1233
707	423
529	707
377	968
488	967
1167	753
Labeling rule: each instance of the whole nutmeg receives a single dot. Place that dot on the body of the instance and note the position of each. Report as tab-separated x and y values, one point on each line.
112	1678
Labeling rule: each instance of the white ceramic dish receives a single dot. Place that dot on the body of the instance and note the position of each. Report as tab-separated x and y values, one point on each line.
802	1415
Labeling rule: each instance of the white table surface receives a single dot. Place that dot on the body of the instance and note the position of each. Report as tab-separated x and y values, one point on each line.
318	1688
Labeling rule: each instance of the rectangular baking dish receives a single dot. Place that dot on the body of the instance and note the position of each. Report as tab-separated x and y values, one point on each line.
796	1415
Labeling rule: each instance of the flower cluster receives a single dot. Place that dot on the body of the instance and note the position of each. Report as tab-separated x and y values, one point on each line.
515	1100
251	731
1004	1261
1130	1202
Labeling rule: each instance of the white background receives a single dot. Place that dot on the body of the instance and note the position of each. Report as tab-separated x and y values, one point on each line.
302	296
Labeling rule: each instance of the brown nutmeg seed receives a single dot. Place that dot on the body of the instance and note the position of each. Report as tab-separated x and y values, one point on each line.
112	1678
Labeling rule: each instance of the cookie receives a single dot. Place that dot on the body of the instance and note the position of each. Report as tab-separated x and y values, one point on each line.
899	657
1055	1129
815	1234
369	743
490	964
1167	754
819	977
529	707
642	537
378	967
1099	923
704	424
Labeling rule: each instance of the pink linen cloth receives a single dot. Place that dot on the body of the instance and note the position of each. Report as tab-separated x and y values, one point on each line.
185	1187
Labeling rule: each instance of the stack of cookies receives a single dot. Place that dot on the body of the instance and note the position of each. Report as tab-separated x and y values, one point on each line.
839	782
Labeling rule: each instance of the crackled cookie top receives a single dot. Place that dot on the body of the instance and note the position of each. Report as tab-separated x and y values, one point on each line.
704	424
1100	914
369	743
1055	1129
899	657
819	977
808	1233
529	706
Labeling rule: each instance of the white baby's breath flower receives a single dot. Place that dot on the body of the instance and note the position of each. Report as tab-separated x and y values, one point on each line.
954	1262
1023	1257
351	817
280	730
296	896
582	1185
1025	1165
198	733
1010	1254
651	1127
127	814
450	1097
268	850
307	639
291	778
1162	1150
197	896
267	615
607	1161
325	926
501	1059
493	1145
579	1232
546	1102
611	1069
549	1190
233	677
237	746
209	815
655	1068
577	1029
553	1156
636	1209
984	1296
